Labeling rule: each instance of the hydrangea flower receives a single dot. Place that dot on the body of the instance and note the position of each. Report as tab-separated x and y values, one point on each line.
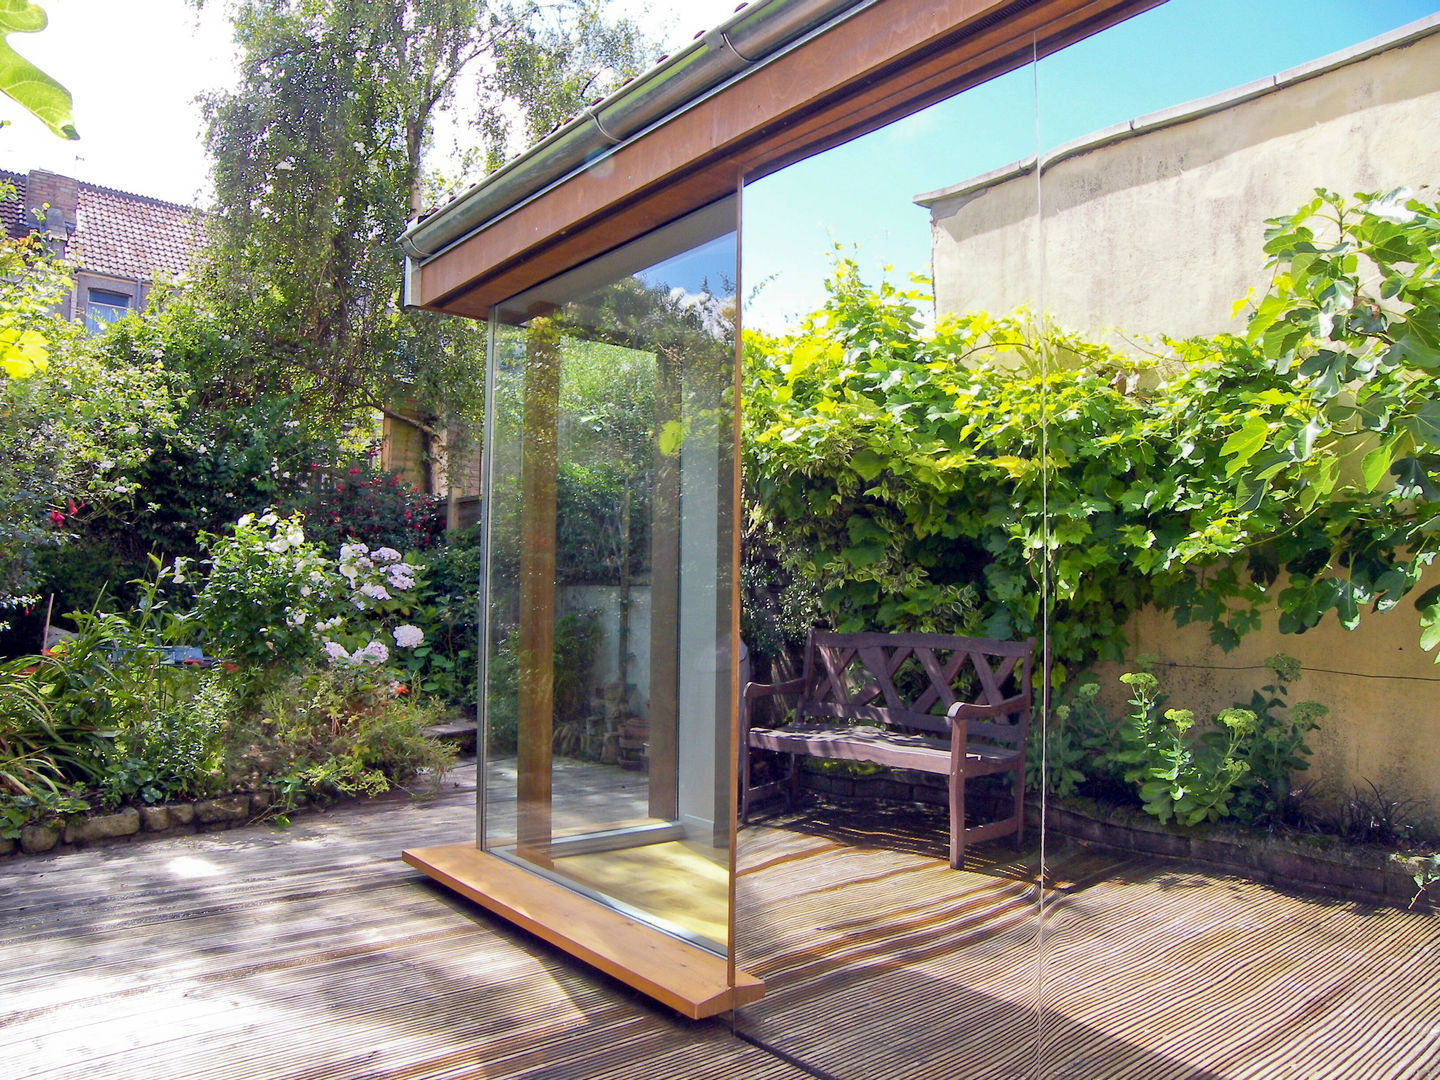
401	577
375	592
407	636
373	653
386	554
335	651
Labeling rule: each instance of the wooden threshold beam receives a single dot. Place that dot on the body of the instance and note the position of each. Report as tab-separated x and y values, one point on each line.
685	977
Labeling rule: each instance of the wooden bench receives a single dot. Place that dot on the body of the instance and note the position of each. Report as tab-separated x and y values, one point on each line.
956	706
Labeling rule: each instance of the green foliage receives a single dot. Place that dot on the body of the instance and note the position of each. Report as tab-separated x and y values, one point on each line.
176	747
342	731
1427	875
1278	749
1352	326
72	423
943	480
365	503
265	591
318	165
446	608
1079	744
22	81
1179	773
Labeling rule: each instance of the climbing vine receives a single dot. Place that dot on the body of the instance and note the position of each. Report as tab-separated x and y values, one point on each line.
924	478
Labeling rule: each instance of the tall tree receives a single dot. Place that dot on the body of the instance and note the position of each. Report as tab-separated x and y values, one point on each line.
318	160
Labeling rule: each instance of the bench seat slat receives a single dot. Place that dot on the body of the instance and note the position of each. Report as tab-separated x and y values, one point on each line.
892	749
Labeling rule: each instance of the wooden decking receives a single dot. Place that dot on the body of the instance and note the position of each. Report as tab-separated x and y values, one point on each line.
315	953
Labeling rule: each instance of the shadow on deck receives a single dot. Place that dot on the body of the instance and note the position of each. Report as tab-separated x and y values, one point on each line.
314	952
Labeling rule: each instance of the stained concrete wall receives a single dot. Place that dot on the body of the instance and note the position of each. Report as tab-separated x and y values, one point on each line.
1383	694
1157	226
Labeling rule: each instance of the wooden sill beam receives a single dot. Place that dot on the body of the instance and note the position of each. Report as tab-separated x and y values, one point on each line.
685	977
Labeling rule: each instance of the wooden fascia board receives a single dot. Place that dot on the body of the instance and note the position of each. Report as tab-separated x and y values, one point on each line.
882	63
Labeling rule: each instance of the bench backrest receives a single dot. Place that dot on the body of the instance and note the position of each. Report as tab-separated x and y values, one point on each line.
909	681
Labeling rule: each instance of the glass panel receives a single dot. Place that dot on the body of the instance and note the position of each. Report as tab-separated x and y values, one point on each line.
103	307
862	413
610	451
1218	387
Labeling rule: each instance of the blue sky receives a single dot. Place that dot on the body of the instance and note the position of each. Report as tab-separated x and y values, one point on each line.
860	195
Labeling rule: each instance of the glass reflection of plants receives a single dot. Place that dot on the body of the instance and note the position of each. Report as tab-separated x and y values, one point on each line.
1294	467
604	484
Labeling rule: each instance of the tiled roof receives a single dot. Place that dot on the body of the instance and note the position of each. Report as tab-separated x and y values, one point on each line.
133	235
13	217
114	232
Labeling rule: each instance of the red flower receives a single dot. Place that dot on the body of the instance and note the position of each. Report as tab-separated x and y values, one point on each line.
354	470
57	518
70	505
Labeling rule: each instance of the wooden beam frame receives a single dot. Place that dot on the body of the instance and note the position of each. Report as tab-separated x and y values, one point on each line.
884	62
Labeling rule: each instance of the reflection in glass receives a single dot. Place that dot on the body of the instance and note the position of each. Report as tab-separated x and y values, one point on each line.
609	610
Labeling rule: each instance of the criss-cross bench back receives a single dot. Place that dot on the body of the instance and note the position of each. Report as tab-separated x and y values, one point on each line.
956	706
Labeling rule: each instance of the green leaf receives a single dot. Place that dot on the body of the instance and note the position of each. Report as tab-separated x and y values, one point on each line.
867	463
1242	444
1376	464
672	434
22	80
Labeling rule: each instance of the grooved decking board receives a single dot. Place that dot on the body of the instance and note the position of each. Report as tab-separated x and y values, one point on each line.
314	953
686	978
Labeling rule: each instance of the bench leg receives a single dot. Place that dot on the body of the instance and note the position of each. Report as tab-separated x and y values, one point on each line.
794	781
744	782
957	815
1017	781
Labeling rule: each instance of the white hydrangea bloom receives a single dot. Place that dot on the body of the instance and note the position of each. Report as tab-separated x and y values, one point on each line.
386	554
374	653
335	651
407	636
375	592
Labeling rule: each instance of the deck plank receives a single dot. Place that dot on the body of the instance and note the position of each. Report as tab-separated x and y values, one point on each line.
314	952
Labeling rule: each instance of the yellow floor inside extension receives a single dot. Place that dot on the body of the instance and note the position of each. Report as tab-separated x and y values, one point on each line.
682	882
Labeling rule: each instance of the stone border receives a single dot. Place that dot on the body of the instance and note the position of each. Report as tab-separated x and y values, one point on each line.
203	815
1320	865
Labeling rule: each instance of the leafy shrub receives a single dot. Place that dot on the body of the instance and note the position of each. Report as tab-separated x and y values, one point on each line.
948	480
359	502
447	609
1181	772
176	750
330	731
266	589
1278	749
1079	745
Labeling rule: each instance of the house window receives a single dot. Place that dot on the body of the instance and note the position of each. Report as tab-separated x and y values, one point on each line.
103	307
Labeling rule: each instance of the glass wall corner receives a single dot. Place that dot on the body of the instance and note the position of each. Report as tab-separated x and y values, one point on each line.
610	525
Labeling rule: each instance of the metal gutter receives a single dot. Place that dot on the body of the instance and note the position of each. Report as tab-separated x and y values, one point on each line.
755	34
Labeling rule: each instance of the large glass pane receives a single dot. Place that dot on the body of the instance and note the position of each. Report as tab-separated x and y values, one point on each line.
871	449
1239	457
609	686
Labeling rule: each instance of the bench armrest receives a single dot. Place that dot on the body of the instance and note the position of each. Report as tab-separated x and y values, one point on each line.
755	690
964	710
